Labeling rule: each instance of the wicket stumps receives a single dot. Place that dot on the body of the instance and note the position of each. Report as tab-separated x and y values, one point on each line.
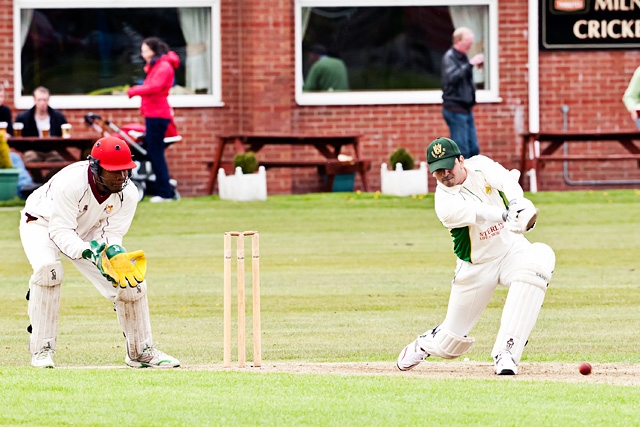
255	275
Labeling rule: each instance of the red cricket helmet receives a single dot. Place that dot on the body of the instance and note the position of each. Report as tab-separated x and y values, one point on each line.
112	154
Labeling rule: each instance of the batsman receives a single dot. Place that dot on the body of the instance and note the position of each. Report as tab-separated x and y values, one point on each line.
83	213
484	208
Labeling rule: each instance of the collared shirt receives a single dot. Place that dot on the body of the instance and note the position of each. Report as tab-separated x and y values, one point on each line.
75	213
487	183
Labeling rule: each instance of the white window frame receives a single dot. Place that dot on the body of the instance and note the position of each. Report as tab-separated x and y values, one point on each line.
393	97
113	101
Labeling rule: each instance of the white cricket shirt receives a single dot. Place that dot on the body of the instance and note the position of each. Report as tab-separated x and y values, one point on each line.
488	184
75	213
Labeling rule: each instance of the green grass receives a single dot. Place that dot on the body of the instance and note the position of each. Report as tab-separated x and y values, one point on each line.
345	278
177	398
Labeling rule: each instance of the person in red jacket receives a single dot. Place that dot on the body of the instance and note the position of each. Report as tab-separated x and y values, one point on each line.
160	68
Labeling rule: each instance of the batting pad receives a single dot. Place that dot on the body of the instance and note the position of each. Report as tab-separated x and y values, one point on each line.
44	304
524	301
444	343
132	308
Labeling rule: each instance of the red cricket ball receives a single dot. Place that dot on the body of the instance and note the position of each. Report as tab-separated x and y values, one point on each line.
585	368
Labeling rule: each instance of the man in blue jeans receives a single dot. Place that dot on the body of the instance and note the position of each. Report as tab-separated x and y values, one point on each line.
459	91
24	179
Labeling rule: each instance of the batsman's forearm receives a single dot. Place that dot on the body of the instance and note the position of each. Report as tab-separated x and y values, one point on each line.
489	214
69	243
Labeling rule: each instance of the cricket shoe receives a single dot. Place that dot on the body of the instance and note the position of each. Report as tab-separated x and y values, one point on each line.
411	356
158	199
504	364
151	357
43	358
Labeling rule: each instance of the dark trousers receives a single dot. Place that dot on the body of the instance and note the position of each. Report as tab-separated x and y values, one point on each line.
154	140
462	130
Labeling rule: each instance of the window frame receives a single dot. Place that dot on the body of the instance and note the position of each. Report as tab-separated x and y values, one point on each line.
113	101
393	97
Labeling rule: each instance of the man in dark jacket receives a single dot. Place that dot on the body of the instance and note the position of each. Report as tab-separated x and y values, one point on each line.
38	119
459	91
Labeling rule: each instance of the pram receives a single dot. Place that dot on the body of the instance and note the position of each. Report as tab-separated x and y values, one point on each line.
133	134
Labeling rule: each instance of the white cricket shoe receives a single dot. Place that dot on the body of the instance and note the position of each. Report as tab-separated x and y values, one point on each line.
411	356
504	364
158	199
43	358
151	357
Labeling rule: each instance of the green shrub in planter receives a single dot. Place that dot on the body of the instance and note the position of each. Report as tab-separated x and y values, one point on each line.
5	159
403	157
246	161
8	174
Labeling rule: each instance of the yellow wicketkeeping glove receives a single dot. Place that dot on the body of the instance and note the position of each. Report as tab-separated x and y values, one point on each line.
95	255
126	268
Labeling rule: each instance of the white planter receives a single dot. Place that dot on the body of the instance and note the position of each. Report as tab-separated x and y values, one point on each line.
404	183
241	187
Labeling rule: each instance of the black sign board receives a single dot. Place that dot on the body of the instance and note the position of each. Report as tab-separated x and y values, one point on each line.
590	24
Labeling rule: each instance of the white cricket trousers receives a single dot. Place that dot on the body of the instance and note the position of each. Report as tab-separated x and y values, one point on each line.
473	286
41	250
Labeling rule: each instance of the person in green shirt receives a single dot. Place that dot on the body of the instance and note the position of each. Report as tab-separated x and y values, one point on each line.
631	97
326	73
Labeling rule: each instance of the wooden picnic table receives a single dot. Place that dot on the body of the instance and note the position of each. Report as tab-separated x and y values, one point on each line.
71	149
534	153
329	146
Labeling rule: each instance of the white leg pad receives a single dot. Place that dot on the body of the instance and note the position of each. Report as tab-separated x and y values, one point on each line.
132	308
444	343
44	305
524	301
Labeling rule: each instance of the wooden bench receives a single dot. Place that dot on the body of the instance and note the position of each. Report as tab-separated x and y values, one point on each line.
333	167
329	168
328	146
534	155
36	169
581	158
71	149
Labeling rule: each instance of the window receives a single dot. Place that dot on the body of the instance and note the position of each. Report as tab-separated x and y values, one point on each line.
87	54
391	49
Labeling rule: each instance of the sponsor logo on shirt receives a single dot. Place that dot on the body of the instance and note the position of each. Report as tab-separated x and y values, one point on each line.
492	231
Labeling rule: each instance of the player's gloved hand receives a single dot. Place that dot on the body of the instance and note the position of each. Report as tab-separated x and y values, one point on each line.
95	254
127	268
521	216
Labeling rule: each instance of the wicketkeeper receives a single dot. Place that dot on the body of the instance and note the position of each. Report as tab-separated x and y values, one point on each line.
83	212
483	206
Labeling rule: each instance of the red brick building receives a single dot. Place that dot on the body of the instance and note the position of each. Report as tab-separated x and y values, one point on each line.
258	62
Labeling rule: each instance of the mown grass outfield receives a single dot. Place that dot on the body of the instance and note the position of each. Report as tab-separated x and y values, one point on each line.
347	281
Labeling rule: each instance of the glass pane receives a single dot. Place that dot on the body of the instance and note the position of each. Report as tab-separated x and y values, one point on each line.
97	51
392	48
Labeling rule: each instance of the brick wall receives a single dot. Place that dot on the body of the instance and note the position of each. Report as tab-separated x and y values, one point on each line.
258	93
591	84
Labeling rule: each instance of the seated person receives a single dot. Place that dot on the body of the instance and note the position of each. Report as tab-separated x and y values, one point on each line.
40	117
25	183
